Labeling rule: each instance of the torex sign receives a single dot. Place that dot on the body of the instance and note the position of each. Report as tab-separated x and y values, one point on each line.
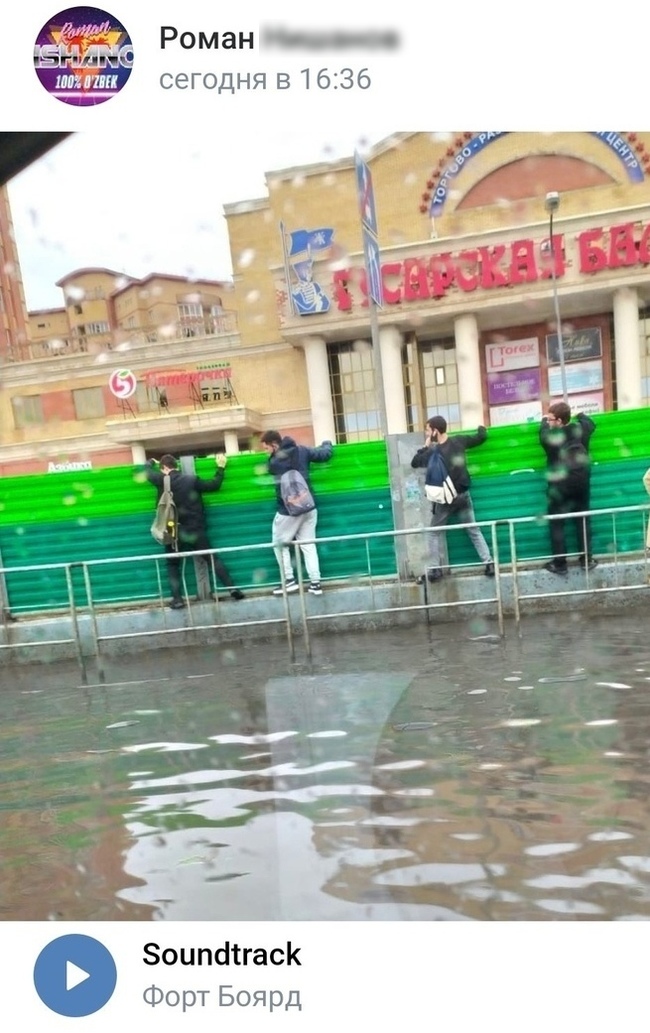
500	265
508	355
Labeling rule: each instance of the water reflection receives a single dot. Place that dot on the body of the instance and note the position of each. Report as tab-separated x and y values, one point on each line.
411	775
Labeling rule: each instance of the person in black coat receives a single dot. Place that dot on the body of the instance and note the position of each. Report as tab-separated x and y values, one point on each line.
568	481
188	491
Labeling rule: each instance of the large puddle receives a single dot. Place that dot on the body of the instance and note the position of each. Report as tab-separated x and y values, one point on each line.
410	775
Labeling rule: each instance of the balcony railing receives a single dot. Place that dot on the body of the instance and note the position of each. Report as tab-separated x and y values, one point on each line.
95	344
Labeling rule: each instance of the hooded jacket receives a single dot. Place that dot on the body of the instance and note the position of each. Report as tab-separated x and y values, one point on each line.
293	456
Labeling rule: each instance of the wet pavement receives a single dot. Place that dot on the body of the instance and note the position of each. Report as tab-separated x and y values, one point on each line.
413	774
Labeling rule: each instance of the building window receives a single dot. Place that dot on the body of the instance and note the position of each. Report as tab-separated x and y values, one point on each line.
150	399
411	379
187	310
97	328
354	398
79	342
28	410
431	382
218	321
191	319
89	403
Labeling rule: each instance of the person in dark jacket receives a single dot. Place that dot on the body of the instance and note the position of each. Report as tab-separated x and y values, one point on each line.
188	491
284	454
452	450
568	481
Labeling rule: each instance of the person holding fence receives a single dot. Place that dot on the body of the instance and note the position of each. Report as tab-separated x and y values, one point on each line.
188	491
568	481
452	452
296	512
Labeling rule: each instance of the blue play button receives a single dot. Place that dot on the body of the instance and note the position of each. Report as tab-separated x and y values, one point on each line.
75	975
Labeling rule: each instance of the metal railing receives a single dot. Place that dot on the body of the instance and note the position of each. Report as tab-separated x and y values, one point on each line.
55	347
504	536
615	555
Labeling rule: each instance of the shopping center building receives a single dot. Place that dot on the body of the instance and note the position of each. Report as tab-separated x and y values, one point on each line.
473	269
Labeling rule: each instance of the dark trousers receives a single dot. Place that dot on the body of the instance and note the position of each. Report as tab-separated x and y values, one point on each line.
572	498
190	543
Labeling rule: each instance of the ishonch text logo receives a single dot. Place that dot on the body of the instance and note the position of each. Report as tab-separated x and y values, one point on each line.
83	56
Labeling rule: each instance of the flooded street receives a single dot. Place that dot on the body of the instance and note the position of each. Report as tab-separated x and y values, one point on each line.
416	774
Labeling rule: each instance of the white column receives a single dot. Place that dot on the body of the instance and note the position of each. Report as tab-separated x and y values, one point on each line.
627	347
320	393
138	454
390	344
468	363
231	442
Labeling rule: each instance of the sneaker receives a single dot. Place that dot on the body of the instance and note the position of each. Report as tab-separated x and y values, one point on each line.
315	588
556	568
289	586
588	564
237	594
489	569
177	604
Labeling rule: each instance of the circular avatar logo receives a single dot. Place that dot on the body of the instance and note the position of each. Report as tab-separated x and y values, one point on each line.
122	383
83	56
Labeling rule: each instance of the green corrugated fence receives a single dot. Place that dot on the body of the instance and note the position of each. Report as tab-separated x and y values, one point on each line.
104	514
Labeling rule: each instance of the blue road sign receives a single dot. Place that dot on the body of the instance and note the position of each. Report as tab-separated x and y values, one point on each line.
366	195
373	267
75	975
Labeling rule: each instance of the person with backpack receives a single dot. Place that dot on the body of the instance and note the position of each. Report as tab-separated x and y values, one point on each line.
568	481
447	484
189	531
296	511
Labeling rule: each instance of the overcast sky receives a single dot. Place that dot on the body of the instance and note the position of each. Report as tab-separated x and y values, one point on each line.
144	203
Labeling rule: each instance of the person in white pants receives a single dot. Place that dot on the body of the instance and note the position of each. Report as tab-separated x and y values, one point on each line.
285	455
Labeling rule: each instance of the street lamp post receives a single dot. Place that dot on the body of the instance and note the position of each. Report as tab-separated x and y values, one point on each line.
552	203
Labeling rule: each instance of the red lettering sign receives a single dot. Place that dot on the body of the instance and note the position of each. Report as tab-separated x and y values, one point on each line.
615	248
168	377
420	279
500	265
